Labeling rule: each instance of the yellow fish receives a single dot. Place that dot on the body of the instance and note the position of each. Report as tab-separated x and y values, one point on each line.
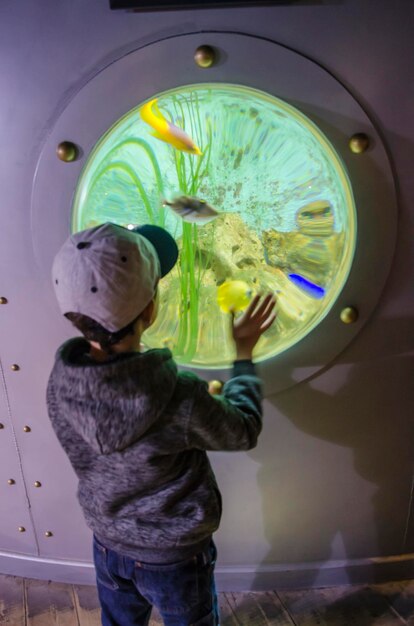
166	131
233	295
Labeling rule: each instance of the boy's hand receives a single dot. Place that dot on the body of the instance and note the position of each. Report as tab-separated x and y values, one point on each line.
248	328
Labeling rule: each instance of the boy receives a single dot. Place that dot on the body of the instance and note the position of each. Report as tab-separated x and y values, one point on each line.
136	430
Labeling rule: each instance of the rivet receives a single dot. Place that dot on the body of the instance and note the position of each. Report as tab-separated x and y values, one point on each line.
359	143
15	367
11	481
1	426
349	315
37	484
3	300
215	387
205	56
22	529
67	151
27	429
48	533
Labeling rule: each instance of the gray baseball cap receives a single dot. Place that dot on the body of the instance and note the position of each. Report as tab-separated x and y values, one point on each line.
110	273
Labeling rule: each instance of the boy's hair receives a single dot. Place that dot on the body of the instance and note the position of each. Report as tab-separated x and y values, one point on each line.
93	331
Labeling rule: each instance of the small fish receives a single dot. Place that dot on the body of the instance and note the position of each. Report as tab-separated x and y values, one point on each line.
306	285
165	130
168	342
316	218
192	210
233	295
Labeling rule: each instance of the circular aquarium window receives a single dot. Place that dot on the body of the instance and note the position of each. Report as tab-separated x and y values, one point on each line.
277	212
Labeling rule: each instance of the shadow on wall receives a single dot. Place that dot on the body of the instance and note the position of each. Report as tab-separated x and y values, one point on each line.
352	499
313	510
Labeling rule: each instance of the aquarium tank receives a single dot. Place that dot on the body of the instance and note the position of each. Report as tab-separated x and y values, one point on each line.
285	218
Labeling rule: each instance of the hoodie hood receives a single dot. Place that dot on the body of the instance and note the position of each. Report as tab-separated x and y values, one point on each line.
112	404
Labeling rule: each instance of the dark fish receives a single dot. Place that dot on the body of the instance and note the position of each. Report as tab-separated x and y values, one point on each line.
192	210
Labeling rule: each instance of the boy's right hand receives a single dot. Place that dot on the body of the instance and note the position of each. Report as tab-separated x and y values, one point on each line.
248	328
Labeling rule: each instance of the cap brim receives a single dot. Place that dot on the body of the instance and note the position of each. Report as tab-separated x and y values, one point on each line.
163	243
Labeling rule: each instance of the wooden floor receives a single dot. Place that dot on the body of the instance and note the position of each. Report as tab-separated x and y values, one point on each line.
25	602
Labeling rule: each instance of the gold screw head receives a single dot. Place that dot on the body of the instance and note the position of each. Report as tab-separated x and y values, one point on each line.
359	143
22	529
11	481
37	483
3	300
27	429
205	56
349	315
48	533
15	367
67	151
215	387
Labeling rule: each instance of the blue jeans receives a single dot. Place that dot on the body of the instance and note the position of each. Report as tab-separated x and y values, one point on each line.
184	593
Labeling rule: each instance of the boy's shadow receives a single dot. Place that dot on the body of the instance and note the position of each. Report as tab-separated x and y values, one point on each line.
315	507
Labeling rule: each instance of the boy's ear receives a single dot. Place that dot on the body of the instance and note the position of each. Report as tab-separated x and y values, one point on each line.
146	314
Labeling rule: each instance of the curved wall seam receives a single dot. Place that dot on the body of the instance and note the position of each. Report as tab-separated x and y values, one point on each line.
409	517
19	457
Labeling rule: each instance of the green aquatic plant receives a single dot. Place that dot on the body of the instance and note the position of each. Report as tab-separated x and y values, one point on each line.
131	172
190	171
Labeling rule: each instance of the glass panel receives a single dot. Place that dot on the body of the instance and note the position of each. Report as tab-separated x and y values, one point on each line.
286	218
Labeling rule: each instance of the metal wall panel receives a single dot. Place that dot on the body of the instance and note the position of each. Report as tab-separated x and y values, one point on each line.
17	534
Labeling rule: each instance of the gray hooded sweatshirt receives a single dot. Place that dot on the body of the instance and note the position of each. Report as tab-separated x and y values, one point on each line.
136	432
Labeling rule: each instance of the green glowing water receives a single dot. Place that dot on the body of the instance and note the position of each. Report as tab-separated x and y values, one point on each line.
286	204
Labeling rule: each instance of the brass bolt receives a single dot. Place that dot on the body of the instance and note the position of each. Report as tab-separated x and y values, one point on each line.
67	151
27	429
22	529
349	315
205	56
3	300
359	143
11	481
15	367
37	484
48	533
215	387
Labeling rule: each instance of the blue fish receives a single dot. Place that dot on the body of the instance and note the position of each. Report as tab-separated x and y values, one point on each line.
313	290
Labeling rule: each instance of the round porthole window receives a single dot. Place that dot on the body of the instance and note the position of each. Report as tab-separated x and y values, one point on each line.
285	218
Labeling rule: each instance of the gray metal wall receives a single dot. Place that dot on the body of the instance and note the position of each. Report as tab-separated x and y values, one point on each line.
326	495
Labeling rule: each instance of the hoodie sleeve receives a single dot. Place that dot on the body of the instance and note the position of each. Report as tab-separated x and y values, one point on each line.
232	421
